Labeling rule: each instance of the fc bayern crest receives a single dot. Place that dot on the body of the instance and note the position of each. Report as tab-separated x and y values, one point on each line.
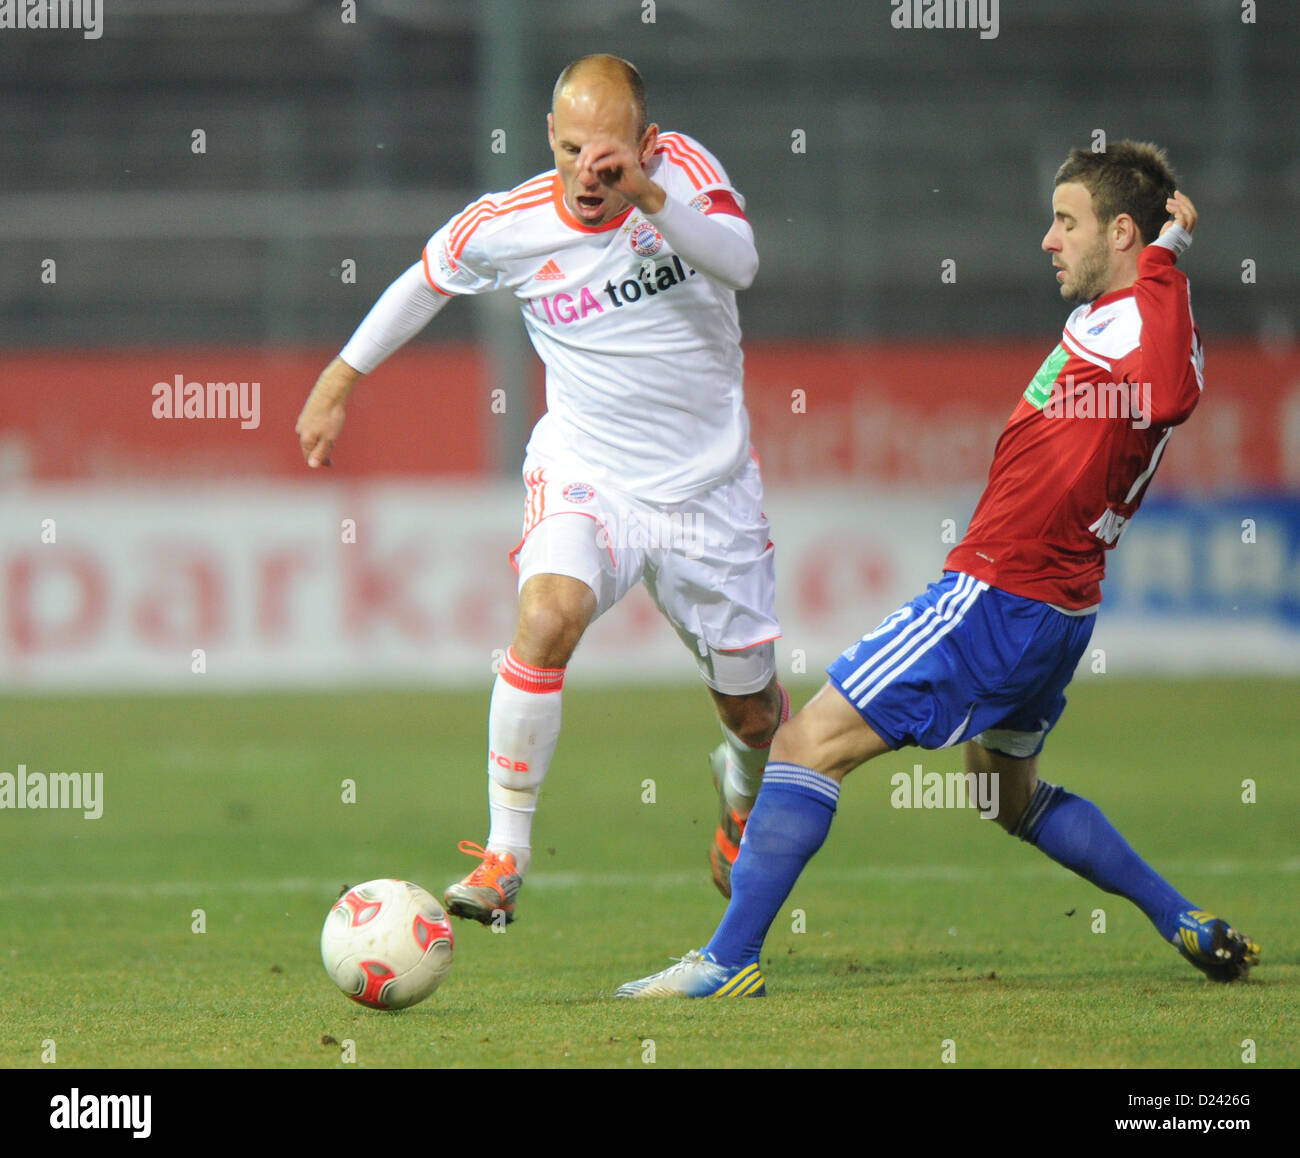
579	492
646	239
701	201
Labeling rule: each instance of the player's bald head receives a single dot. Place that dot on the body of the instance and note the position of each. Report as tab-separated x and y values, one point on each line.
600	79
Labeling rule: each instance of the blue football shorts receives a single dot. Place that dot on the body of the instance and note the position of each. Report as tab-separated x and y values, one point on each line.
965	661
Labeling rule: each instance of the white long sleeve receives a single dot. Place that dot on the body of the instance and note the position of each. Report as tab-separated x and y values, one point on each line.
402	311
720	245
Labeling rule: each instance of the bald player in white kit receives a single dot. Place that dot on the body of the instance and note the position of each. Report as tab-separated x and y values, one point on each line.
625	260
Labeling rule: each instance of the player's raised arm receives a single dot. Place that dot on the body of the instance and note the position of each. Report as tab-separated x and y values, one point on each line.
401	312
724	248
721	246
1170	351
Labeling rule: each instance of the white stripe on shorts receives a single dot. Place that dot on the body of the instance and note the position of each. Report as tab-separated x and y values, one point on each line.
918	624
913	642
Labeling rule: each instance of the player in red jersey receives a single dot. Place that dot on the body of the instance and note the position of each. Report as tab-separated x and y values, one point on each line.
983	657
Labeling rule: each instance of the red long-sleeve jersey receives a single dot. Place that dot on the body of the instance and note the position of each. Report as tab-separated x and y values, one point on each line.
1075	458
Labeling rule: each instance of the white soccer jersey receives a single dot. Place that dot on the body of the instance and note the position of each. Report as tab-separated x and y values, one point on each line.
642	352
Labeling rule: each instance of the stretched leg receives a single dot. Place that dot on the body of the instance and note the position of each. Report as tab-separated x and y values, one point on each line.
811	754
1074	833
878	698
828	736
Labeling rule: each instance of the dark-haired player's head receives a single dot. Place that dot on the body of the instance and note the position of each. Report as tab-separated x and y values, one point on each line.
1106	207
1130	177
596	96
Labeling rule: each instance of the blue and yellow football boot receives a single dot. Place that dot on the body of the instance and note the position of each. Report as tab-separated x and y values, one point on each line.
698	974
1214	946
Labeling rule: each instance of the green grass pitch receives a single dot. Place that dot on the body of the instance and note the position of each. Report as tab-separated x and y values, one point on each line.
913	929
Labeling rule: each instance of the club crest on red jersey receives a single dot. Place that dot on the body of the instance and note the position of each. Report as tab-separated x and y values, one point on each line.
579	492
646	239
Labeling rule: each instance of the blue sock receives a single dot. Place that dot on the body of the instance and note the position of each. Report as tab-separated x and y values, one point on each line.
1073	832
790	819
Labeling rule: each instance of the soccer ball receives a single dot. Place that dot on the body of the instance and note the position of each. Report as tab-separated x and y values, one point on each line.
387	944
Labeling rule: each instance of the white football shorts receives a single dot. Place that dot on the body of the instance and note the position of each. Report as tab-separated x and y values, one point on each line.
708	562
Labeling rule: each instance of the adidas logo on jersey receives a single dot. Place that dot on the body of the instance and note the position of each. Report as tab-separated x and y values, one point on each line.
563	308
549	272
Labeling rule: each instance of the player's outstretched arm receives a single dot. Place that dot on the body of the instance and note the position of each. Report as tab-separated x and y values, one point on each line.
401	312
321	421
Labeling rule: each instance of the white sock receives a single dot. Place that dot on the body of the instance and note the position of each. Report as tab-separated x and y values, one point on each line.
745	764
511	814
523	729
